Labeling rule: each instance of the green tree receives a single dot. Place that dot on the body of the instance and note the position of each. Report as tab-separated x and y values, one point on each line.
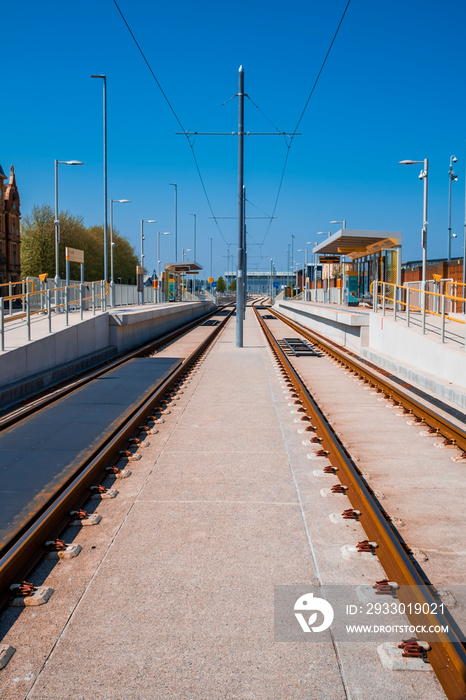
232	286
221	286
38	247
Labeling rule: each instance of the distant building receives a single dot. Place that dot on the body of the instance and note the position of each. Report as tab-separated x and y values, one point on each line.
10	246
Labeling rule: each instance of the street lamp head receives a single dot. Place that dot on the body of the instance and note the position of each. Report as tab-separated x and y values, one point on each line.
164	233
70	162
149	221
123	201
410	162
99	76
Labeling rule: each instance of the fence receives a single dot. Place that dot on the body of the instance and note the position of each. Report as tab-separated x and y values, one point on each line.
411	302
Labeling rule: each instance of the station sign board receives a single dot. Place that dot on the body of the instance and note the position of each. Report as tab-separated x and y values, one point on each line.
329	259
74	255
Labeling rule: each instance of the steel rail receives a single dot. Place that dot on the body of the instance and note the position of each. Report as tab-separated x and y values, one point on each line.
447	653
53	395
380	379
24	554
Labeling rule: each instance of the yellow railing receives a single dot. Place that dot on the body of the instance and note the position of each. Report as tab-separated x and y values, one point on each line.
400	298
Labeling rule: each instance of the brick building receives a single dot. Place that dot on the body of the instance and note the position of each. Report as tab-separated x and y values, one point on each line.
10	246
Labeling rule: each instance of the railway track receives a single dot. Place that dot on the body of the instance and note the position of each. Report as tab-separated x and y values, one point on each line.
447	652
33	535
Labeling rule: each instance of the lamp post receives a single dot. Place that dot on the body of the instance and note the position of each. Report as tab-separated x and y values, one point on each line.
339	222
57	221
211	275
451	178
144	221
112	287
314	243
326	296
103	77
185	250
159	233
304	250
173	184
424	175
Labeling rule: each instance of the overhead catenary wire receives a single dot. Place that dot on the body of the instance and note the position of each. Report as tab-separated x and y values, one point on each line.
302	115
172	109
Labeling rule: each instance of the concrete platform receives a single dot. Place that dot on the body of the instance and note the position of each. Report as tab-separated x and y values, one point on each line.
173	595
439	368
28	367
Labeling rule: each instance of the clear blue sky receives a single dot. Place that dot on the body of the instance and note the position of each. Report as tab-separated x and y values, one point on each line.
392	89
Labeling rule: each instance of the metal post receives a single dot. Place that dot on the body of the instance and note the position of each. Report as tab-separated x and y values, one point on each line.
245	257
57	228
426	223
28	314
10	294
66	304
173	184
2	326
423	308
306	281
395	301
93	298
408	290
442	333
375	288
49	308
81	298
239	277
383	298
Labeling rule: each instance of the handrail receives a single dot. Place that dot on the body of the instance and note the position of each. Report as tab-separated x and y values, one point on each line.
389	296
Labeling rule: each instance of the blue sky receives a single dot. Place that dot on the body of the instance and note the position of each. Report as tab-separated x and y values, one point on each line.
392	89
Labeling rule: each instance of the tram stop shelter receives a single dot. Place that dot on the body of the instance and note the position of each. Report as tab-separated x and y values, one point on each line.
175	278
373	255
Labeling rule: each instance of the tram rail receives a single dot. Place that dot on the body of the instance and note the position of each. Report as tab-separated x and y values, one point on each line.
447	653
385	383
22	553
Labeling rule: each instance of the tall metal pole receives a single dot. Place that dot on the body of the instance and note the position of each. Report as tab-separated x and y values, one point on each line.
105	183
57	226
104	78
425	224
464	250
211	275
239	277
245	257
173	184
306	280
194	242
142	245
451	177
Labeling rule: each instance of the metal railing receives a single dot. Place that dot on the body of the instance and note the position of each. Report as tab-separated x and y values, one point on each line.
409	304
62	300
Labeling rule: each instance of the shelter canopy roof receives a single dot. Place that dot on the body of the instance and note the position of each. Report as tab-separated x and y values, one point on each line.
183	266
355	243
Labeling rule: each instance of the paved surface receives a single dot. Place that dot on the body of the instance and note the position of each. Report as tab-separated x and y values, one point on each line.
173	594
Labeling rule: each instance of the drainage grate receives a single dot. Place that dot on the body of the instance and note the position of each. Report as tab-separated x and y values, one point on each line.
210	322
298	347
269	317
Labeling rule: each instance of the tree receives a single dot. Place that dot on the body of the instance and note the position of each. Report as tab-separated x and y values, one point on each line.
38	247
232	286
221	286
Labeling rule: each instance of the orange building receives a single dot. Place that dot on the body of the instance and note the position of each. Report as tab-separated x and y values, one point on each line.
10	245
